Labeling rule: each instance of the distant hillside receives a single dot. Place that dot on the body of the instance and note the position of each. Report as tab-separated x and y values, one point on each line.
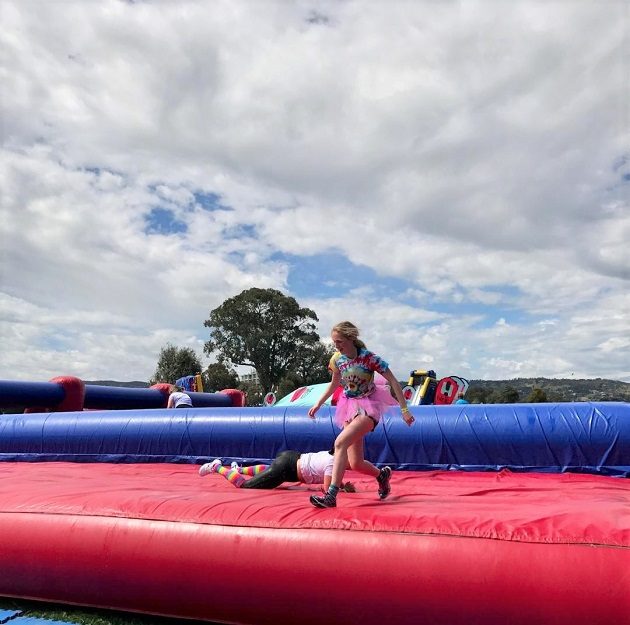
135	384
494	391
566	389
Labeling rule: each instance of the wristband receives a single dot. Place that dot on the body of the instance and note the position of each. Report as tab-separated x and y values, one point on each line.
404	410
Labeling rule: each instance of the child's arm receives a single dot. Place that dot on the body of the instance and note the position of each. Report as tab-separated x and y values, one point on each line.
396	388
330	389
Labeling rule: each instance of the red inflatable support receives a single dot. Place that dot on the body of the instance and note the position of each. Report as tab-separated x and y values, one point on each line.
165	388
237	397
74	396
446	548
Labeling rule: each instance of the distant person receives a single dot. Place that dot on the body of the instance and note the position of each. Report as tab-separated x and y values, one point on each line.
179	399
287	466
460	398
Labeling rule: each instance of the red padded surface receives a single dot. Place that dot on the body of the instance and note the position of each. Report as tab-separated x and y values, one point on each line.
548	508
159	539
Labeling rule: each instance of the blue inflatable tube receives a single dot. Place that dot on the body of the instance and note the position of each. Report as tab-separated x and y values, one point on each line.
107	397
584	437
98	397
19	393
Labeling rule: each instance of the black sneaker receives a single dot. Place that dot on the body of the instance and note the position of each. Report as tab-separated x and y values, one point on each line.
383	482
324	501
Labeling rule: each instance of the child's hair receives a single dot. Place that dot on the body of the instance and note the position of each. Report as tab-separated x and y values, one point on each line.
176	389
348	330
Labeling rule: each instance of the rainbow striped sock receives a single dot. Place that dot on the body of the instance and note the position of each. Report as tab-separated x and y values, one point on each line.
232	476
255	469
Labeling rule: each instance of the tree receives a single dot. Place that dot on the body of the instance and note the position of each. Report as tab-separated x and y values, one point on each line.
508	395
217	377
174	363
264	329
254	394
537	396
289	383
312	369
478	395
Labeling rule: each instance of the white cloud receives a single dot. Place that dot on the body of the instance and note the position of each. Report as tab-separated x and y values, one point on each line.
476	150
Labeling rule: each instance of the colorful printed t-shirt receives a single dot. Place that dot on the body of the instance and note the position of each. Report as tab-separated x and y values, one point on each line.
357	374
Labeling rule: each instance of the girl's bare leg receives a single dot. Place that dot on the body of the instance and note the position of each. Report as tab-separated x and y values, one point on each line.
351	434
357	461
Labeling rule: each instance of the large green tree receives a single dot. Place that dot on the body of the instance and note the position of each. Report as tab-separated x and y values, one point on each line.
264	329
311	369
312	366
217	377
174	363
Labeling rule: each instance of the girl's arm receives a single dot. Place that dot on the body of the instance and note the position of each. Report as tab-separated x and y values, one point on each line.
170	402
330	389
397	389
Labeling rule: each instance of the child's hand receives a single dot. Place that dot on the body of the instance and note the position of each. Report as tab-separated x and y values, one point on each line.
313	410
408	418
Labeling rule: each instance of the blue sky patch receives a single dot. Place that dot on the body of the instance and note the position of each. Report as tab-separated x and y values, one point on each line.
210	201
332	275
240	231
163	221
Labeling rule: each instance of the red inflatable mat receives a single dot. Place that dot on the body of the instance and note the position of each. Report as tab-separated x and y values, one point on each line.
446	548
526	507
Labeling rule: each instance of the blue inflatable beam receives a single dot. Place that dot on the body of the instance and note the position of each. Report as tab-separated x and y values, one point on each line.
97	397
120	397
18	393
584	437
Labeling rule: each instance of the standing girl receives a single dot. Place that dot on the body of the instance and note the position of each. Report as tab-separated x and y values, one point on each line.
359	408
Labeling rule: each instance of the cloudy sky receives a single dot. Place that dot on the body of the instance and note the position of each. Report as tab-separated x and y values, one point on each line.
451	176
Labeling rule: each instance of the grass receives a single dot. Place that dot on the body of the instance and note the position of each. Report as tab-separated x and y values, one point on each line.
87	616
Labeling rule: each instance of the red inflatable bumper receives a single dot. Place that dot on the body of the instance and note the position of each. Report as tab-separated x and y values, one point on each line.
445	548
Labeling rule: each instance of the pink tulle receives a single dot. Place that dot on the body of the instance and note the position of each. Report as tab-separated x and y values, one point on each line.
374	405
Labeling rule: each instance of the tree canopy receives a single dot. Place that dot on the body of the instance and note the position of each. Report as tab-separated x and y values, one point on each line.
537	396
509	395
174	363
264	329
217	377
312	369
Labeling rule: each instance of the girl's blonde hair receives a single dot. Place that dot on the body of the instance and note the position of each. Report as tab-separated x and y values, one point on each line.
349	331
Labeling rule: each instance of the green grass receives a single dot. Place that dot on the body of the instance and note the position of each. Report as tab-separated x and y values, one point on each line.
87	616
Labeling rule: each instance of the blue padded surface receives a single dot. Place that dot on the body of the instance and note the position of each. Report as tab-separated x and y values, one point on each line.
8	615
586	437
33	620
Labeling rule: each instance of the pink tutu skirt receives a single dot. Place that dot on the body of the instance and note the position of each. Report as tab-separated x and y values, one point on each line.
373	405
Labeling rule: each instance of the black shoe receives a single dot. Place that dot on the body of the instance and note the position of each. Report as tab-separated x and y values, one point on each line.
324	501
383	482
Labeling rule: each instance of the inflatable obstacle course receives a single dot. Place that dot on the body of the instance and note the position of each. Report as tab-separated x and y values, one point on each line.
65	393
498	514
